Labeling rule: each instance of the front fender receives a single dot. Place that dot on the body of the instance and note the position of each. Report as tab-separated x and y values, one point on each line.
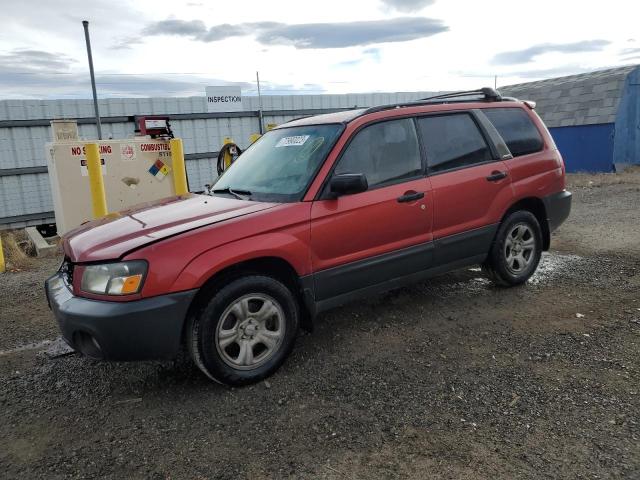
288	247
187	260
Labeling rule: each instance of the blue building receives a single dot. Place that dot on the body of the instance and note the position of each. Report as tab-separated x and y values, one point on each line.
593	117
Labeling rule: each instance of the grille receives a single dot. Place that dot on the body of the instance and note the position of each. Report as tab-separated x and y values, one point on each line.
66	269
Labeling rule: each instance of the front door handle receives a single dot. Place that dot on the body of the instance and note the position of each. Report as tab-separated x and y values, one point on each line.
496	175
410	197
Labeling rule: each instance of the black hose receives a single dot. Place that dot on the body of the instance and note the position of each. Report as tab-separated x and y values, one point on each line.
227	146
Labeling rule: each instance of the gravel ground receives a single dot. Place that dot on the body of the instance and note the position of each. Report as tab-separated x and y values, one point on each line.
448	379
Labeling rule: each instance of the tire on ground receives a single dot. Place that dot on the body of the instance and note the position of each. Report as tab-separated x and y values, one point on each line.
500	266
202	341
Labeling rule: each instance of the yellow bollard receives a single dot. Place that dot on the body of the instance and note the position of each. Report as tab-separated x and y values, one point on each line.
96	183
253	137
179	169
3	267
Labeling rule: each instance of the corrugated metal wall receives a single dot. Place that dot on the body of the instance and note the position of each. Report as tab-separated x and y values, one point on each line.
585	148
25	196
627	137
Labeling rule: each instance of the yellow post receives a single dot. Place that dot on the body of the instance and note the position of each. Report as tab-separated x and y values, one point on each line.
96	183
3	267
179	169
227	155
253	137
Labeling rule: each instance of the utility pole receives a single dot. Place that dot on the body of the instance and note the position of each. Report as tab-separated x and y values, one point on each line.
259	105
85	24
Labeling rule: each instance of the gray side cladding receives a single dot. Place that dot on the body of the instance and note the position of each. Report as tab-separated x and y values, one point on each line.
584	99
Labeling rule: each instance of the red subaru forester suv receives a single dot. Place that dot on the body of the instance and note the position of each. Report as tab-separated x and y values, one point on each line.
317	212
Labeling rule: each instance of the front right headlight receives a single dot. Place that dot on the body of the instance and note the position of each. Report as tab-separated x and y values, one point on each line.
122	278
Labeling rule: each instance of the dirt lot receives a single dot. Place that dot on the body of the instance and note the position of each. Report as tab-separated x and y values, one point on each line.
448	379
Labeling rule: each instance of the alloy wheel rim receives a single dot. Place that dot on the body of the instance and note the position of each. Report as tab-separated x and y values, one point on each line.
250	331
519	248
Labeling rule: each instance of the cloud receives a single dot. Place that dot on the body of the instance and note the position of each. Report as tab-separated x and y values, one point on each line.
528	54
126	43
407	6
349	34
34	61
628	54
561	71
271	88
349	63
44	83
309	35
153	86
41	74
36	21
197	30
77	85
372	54
172	26
220	32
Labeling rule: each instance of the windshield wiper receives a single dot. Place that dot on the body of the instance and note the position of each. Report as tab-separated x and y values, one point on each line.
239	194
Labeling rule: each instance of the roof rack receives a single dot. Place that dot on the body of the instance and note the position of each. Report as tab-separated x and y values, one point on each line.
490	94
486	94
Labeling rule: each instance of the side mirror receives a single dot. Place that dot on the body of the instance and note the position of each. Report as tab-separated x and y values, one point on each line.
348	183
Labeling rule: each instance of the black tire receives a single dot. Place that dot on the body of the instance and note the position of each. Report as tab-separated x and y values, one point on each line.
202	334
502	266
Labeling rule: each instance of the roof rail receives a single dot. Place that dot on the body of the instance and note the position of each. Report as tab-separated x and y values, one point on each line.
486	94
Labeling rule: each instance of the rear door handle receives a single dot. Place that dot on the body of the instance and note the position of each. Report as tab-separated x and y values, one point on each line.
410	197
496	175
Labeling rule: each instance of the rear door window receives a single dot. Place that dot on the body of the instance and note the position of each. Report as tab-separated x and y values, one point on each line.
453	141
516	128
386	152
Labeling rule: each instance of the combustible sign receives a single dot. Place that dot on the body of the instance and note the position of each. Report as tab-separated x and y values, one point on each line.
224	99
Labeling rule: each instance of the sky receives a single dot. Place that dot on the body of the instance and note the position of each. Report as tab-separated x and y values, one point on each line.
152	48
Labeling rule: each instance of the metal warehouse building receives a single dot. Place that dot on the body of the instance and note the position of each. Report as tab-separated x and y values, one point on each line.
593	117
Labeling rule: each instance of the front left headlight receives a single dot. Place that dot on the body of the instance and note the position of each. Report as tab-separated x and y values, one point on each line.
122	278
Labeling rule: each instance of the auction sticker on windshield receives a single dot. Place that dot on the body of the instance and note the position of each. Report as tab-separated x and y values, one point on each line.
292	141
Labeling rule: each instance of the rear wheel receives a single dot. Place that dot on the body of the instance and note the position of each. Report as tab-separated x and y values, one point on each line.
246	330
516	250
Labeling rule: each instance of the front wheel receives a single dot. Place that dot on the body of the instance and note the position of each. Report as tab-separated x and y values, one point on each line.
516	250
246	330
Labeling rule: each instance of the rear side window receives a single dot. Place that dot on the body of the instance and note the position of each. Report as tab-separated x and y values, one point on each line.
384	152
453	141
516	128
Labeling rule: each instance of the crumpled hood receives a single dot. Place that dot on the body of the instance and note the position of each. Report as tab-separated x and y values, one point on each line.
118	233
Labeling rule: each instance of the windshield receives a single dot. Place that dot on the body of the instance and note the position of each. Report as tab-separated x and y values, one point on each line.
280	165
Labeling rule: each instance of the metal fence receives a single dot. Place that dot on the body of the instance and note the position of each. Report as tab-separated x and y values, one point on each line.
25	194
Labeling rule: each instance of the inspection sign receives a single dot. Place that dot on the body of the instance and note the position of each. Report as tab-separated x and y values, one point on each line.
226	98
